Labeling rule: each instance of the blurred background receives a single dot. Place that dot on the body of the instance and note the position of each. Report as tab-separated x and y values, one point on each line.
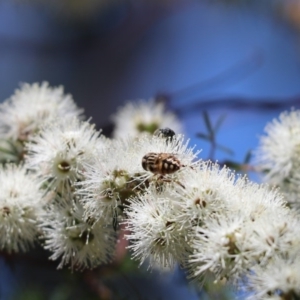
235	59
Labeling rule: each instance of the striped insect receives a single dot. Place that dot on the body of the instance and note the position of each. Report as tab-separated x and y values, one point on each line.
161	163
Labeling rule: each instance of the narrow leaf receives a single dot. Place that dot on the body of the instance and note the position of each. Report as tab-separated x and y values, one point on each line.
248	157
208	123
224	149
204	136
219	122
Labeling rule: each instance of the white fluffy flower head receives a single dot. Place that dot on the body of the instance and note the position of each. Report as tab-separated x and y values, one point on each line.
108	180
60	150
20	206
118	171
143	117
31	106
77	243
206	190
155	232
280	278
279	151
220	247
275	233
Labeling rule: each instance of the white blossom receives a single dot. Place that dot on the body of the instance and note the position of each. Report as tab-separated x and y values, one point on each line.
206	190
117	172
134	119
275	232
155	234
20	206
108	180
220	246
58	152
31	106
77	243
254	200
280	279
249	228
278	155
174	207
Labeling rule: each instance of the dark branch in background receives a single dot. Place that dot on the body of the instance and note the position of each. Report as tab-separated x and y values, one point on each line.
239	103
210	136
235	73
241	70
177	101
234	102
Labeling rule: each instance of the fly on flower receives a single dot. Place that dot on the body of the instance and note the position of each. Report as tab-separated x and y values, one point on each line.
166	133
161	163
165	162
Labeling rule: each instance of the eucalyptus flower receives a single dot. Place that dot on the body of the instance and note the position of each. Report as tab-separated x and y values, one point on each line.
31	106
155	233
280	279
71	239
118	172
278	155
134	119
59	151
206	190
20	207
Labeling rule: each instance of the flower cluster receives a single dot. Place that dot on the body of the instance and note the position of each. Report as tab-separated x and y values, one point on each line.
278	155
277	158
31	106
71	188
